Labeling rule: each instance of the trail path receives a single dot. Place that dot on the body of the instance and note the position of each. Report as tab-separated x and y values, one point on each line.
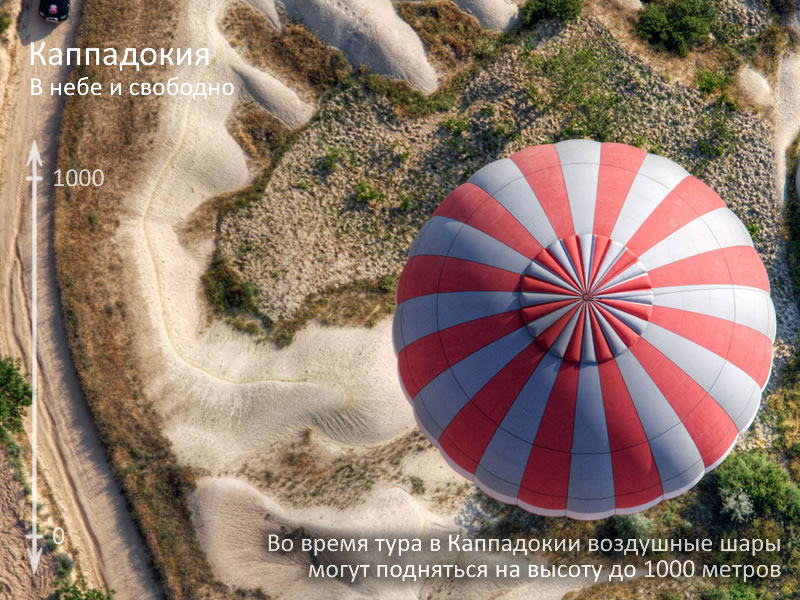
72	460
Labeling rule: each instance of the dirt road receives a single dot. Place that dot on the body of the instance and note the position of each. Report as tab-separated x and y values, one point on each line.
93	512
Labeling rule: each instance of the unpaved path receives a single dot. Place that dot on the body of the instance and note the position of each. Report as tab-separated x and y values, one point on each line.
93	512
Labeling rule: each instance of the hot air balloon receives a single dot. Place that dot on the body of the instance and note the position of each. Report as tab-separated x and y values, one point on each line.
584	329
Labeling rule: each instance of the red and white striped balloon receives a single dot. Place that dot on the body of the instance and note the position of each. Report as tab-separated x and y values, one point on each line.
584	329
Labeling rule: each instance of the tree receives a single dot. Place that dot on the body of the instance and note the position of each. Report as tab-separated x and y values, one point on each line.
15	395
80	590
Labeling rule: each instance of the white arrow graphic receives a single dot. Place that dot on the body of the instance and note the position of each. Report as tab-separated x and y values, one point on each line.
34	161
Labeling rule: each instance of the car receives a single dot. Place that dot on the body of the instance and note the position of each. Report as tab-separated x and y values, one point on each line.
54	11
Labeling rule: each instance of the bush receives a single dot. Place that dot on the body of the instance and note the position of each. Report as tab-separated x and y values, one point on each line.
563	10
80	590
5	23
737	504
709	81
765	483
736	591
676	25
629	527
15	395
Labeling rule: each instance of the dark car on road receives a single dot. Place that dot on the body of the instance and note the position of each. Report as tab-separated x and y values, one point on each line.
54	11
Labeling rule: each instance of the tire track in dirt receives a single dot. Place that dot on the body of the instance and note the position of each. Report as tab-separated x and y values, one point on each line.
93	512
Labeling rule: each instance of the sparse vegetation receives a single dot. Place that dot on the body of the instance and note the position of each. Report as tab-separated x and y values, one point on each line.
295	54
305	475
563	10
676	25
225	289
710	81
412	103
90	277
366	192
589	106
63	564
765	484
357	303
15	395
452	38
80	590
5	22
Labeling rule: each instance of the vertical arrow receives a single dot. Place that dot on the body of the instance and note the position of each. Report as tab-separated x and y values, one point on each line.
34	161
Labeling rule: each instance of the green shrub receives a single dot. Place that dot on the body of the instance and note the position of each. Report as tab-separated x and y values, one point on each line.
736	591
676	25
80	590
765	483
15	395
630	527
5	23
63	565
563	10
737	504
366	192
709	81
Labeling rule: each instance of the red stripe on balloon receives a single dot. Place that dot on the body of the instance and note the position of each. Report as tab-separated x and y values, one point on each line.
639	283
536	311
704	419
421	362
470	204
601	246
546	477
637	309
738	265
462	340
575	345
428	357
555	429
542	169
626	334
627	259
420	277
571	244
466	437
690	199
636	477
425	274
551	263
619	164
534	284
742	346
549	336
601	347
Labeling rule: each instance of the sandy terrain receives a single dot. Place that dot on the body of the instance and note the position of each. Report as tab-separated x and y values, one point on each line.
368	32
787	116
16	580
94	514
499	15
755	86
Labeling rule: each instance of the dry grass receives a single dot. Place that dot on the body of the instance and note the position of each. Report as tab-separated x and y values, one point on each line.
359	303
303	474
295	55
452	38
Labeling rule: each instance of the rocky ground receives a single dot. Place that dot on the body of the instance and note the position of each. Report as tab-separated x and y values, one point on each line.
347	199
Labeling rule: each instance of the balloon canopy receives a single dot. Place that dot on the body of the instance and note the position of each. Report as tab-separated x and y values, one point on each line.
584	329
